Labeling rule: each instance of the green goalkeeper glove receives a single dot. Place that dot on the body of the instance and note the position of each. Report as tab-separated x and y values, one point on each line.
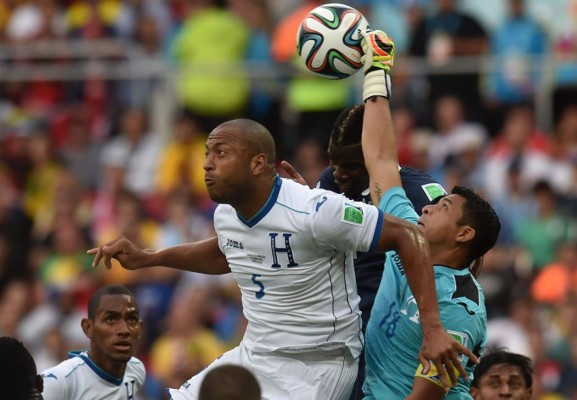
378	60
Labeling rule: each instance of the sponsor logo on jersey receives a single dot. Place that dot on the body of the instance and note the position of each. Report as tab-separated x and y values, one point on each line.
353	215
433	190
397	260
234	243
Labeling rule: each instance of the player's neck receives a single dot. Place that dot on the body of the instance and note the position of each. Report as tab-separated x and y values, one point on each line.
256	198
113	368
451	258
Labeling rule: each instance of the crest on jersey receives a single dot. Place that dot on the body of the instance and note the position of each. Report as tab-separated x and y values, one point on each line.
353	215
433	190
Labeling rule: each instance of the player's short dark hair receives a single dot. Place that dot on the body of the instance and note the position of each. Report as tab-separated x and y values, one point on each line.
229	382
94	301
478	213
502	356
18	375
348	127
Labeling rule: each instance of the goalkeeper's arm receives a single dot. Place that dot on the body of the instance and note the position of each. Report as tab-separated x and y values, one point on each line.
378	137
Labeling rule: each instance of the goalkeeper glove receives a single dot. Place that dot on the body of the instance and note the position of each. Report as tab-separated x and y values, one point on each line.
378	60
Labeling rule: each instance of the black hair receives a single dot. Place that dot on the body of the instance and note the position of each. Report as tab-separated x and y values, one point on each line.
502	356
19	378
94	301
478	213
348	127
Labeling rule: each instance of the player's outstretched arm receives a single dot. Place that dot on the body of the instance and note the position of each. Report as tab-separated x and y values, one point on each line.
203	256
381	160
378	138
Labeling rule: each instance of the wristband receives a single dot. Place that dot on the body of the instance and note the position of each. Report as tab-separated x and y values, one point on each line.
377	83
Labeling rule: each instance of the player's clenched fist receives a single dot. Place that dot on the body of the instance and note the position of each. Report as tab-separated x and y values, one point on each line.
378	60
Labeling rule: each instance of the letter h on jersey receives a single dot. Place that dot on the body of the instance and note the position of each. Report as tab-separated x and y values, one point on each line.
287	249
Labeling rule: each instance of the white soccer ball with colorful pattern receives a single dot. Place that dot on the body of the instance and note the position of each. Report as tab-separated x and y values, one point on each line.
329	40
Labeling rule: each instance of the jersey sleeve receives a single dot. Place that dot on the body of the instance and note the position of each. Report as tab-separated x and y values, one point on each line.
346	225
396	203
54	385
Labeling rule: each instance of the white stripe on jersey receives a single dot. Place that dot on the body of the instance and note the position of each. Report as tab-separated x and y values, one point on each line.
293	262
78	378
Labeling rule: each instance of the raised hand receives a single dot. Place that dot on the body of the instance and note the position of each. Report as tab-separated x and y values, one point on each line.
378	60
379	50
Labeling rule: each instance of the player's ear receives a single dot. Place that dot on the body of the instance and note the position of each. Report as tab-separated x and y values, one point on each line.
86	325
474	393
465	234
258	163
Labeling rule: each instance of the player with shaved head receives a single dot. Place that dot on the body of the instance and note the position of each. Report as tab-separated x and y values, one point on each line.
291	250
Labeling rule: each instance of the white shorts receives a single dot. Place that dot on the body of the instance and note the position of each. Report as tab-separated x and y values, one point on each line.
319	376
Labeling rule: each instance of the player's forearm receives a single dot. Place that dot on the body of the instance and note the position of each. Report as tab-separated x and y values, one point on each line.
203	257
378	138
415	255
380	147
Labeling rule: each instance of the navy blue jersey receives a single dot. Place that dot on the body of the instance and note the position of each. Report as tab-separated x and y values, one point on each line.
421	189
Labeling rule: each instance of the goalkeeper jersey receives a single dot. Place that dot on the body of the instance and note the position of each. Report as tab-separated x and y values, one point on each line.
79	378
394	336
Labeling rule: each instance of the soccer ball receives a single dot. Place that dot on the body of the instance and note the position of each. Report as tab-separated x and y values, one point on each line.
329	40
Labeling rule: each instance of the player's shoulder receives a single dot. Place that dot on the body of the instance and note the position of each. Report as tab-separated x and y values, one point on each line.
136	365
302	197
65	369
460	290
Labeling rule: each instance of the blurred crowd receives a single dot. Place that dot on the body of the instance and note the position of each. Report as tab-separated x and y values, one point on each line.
82	160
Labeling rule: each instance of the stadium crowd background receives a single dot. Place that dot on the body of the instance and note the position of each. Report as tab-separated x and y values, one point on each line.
105	105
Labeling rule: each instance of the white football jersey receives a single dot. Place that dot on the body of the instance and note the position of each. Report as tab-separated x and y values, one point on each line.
293	262
78	378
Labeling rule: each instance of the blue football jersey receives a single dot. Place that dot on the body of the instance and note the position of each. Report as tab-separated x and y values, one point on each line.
393	336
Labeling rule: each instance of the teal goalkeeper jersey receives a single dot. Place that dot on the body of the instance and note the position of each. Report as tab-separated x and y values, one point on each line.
394	336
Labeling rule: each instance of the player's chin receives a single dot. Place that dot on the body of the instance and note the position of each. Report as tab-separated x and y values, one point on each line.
214	195
121	357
